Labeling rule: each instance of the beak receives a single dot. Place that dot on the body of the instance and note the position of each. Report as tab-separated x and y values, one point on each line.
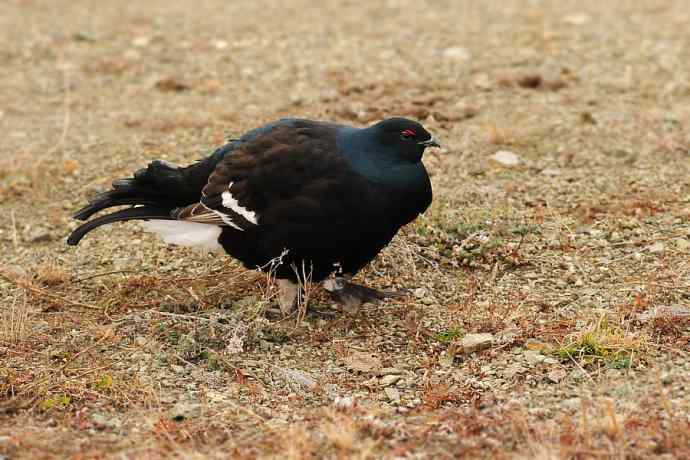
431	142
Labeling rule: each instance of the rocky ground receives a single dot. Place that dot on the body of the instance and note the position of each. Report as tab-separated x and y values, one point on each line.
550	315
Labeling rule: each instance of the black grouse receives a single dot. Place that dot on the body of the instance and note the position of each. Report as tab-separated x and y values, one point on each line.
315	198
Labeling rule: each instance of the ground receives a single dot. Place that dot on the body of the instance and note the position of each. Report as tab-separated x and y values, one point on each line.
568	251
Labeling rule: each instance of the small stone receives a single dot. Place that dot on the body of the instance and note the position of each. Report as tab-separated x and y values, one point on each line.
102	421
37	235
343	402
363	362
476	342
577	375
16	272
389	380
141	42
571	403
390	371
219	44
482	81
551	172
392	394
615	237
132	54
419	293
507	336
446	359
428	300
185	410
457	53
513	370
536	345
556	375
577	19
656	247
505	158
302	379
682	244
534	357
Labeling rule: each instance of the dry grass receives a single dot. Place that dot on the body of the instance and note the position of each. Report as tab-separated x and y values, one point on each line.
14	323
575	261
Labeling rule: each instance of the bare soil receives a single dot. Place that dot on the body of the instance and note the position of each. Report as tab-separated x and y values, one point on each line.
575	261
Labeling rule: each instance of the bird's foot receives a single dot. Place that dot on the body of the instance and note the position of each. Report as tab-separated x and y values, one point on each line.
352	295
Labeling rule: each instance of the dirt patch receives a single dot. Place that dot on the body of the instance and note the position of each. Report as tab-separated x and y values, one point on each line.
551	306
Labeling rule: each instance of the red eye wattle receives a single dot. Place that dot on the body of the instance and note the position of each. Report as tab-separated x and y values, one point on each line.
407	134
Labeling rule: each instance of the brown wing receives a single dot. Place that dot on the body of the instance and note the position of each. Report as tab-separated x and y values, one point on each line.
263	172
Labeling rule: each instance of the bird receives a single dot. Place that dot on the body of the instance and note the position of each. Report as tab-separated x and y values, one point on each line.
301	198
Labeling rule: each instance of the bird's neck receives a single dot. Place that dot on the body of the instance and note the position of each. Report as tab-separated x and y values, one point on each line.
378	163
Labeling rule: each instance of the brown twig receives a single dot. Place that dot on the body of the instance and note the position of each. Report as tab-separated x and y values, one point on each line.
98	275
42	292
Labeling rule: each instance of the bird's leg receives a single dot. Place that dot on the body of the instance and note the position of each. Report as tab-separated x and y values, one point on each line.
352	295
287	296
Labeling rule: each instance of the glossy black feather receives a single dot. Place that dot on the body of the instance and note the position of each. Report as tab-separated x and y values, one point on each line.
320	194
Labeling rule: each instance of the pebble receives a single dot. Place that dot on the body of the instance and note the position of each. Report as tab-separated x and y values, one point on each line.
102	420
615	237
392	394
363	362
219	44
343	402
389	380
132	54
556	375
682	244
476	342
571	403
656	247
457	53
506	158
185	410
577	19
141	42
534	357
446	359
37	235
302	379
390	371
513	370
482	81
551	172
577	375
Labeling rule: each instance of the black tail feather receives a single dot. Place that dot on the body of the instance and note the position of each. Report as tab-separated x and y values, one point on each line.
136	213
117	198
154	191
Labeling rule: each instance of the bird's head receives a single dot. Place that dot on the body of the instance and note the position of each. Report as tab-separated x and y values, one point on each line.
406	138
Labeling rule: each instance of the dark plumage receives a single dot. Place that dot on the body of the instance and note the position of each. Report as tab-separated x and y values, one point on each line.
332	196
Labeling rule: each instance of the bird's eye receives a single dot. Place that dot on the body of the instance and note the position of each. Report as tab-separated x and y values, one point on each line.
407	134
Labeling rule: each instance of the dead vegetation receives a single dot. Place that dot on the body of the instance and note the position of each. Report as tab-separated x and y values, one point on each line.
570	264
